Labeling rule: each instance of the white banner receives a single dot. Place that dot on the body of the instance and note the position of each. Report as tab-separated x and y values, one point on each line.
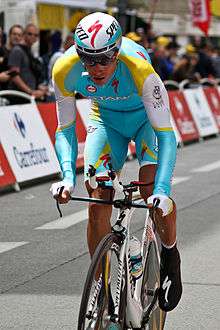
201	112
26	142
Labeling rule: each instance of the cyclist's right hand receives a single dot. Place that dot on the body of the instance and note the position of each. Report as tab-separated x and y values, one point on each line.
63	197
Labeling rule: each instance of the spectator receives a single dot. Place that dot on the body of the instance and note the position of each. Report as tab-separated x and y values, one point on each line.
215	58
185	68
15	36
4	74
28	68
205	66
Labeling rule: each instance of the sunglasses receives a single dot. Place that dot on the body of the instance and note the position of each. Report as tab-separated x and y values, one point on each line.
32	34
93	60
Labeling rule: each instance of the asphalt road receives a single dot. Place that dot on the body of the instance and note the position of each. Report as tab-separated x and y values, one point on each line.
43	261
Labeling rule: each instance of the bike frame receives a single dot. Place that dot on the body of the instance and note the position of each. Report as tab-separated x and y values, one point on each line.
134	310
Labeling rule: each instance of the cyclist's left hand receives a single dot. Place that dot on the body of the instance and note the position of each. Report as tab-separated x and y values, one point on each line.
166	204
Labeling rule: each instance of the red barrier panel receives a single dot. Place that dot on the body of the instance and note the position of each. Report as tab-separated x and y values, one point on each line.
182	116
48	113
7	177
213	99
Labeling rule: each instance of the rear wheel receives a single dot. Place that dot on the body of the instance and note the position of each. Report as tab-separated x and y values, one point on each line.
98	304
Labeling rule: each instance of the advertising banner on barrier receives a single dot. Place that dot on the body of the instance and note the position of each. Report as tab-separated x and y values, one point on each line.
213	99
49	116
26	142
6	175
182	117
200	111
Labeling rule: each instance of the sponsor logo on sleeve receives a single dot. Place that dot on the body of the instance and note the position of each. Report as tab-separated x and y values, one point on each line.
158	104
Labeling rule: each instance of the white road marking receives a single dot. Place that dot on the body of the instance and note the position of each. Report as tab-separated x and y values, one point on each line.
179	179
6	246
29	196
208	167
67	221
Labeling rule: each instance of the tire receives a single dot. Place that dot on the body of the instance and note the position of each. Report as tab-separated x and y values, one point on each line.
104	303
151	281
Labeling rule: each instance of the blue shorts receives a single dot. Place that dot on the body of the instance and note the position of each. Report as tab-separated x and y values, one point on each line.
109	142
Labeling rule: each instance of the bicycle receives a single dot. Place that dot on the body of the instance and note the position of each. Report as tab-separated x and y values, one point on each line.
111	298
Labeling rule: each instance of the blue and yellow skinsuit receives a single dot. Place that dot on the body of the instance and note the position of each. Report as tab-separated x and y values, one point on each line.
132	105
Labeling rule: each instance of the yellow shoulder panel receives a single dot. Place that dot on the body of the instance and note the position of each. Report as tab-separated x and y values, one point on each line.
140	70
60	71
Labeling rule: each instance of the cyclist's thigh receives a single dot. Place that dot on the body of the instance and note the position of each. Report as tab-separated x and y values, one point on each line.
103	144
146	145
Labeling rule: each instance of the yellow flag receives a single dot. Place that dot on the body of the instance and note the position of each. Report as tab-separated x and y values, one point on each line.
50	17
215	7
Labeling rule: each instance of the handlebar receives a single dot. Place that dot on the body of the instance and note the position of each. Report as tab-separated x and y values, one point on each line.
128	189
117	203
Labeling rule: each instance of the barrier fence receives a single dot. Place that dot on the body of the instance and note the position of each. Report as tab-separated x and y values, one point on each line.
27	131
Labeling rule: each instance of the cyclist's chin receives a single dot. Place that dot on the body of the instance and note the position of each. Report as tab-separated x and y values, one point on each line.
99	81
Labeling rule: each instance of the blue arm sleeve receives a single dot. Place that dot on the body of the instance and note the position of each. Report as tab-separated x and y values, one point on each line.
166	162
67	149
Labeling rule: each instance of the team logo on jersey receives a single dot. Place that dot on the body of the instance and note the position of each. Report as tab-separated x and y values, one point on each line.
115	84
91	129
157	93
91	88
158	104
142	55
106	159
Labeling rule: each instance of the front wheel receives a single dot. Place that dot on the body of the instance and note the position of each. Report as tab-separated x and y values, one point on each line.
155	318
97	304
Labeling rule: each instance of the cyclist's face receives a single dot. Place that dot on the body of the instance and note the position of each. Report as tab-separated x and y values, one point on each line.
100	74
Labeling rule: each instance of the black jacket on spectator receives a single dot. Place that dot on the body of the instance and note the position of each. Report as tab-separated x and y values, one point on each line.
205	66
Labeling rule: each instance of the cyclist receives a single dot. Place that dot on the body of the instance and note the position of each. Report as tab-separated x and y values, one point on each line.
129	102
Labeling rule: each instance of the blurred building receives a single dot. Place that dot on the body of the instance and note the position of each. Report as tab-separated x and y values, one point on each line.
170	17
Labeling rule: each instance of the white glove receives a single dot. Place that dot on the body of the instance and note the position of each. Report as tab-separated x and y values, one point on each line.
55	188
166	204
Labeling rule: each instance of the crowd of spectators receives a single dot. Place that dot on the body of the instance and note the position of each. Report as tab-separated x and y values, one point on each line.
197	60
21	71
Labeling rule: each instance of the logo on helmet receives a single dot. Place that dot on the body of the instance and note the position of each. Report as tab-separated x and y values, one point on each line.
112	29
95	27
81	34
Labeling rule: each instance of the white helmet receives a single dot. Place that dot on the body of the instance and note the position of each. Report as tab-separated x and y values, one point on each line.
98	34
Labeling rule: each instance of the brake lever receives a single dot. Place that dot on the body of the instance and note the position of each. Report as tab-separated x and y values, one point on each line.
58	204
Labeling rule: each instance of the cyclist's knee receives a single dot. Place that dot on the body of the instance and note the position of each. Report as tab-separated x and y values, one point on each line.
106	193
147	175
